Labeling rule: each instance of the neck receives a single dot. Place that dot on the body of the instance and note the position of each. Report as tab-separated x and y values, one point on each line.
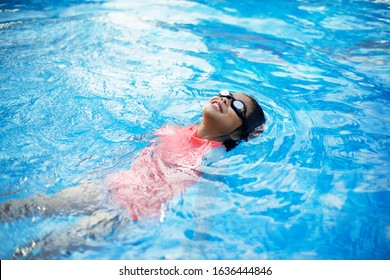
204	132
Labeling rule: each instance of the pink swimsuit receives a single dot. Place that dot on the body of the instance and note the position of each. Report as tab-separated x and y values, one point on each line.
166	168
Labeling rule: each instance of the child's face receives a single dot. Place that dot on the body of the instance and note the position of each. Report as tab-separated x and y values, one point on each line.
220	115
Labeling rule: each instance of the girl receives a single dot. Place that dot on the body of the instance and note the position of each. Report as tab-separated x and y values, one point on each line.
163	170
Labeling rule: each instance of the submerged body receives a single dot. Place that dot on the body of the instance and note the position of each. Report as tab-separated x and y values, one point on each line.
166	168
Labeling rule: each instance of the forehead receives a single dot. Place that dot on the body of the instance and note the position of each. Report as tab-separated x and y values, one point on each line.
246	99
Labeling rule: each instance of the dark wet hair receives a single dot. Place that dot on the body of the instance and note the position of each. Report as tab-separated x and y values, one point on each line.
253	126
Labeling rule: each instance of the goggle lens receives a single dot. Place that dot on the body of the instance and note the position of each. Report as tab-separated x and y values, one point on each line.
239	105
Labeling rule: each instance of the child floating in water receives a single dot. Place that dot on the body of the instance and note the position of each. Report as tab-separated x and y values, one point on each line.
164	169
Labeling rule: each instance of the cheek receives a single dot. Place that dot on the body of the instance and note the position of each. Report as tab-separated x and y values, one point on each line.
230	122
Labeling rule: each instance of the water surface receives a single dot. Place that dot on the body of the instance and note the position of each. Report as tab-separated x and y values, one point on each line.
84	84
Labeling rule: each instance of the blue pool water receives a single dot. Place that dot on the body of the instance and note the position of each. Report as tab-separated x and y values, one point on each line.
84	84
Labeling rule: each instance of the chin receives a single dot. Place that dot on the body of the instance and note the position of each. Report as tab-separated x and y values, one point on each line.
210	114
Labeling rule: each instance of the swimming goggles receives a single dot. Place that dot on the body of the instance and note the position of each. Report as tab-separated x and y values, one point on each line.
237	105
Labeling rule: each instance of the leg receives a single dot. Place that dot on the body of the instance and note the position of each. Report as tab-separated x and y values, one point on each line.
80	199
87	234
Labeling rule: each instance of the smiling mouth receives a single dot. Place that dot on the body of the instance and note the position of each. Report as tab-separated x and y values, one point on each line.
217	105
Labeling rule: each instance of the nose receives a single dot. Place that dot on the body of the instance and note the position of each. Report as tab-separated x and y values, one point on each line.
225	100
